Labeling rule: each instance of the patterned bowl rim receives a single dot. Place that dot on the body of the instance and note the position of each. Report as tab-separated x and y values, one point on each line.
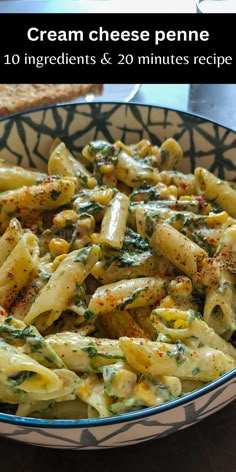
112	420
146	412
118	103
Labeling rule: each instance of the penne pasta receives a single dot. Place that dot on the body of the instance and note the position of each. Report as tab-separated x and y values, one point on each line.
117	280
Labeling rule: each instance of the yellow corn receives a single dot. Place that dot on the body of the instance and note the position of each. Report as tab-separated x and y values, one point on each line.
107	168
91	182
61	219
58	246
102	196
178	324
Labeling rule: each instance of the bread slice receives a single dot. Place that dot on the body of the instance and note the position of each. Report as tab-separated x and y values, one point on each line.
19	97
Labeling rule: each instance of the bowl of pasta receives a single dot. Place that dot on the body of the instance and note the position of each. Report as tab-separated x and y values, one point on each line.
117	281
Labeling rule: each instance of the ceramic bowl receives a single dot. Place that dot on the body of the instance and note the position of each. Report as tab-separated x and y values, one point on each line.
25	140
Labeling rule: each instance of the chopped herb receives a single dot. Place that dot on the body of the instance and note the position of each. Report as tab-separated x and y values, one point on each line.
178	353
164	154
89	207
89	315
20	377
93	352
149	224
55	194
196	371
134	240
129	300
83	180
82	255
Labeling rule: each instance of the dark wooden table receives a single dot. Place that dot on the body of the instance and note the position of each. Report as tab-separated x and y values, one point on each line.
208	446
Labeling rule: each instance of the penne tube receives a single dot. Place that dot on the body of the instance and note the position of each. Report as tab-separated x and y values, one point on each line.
21	371
215	189
171	154
125	294
84	353
156	358
119	380
58	294
130	265
9	239
27	200
220	304
219	307
188	327
18	268
132	172
62	162
185	254
67	384
17	334
113	225
15	177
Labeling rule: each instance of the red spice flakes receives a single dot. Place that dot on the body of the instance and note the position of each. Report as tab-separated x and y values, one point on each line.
49	180
183	185
161	354
212	240
201	201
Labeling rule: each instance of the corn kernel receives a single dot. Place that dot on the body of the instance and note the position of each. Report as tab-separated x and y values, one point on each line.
64	217
91	182
102	196
107	168
179	324
58	246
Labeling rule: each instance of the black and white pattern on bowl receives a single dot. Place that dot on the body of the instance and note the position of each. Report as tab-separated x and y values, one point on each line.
127	429
25	140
